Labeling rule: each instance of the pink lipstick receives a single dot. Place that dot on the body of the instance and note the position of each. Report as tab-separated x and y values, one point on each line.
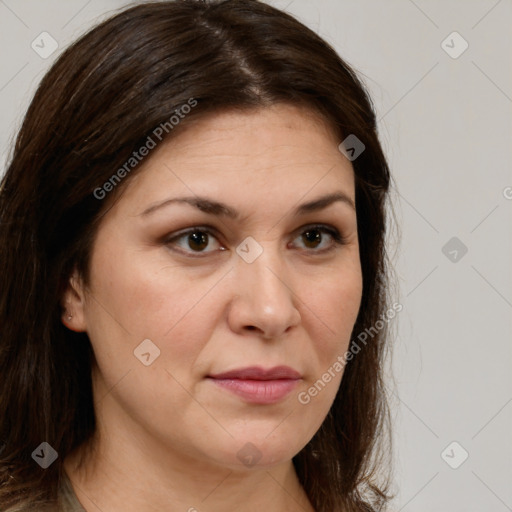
258	385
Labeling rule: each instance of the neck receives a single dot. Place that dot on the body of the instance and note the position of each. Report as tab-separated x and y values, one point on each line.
115	474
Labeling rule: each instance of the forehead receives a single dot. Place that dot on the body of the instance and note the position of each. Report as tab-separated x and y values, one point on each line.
280	128
276	154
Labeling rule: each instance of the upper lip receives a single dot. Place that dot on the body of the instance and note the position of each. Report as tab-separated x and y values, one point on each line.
259	373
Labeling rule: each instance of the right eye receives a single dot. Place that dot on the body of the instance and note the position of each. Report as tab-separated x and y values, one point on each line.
193	240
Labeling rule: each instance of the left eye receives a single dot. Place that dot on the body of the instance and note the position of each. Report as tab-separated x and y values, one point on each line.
313	237
198	239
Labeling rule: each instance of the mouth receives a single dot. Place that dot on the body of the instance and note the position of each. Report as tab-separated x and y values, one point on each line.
259	385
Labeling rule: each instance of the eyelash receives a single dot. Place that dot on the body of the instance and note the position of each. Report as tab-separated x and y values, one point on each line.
338	239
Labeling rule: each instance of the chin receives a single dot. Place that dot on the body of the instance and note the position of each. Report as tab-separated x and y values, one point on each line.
259	452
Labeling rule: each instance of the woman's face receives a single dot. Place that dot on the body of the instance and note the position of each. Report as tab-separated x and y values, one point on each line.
182	292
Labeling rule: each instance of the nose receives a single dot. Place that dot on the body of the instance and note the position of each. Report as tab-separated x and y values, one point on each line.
264	299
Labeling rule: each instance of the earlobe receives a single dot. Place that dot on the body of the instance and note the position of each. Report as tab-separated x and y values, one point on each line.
73	304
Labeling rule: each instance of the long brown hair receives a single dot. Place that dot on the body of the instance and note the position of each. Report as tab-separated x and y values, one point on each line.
99	102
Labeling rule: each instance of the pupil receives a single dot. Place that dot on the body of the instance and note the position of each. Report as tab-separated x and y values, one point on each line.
313	236
200	239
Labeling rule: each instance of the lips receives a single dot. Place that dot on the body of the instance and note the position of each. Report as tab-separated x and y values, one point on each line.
258	373
258	385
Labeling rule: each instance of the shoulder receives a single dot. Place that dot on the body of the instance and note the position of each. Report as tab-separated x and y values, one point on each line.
67	501
47	507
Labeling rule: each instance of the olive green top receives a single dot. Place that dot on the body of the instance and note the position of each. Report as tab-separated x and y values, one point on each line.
68	502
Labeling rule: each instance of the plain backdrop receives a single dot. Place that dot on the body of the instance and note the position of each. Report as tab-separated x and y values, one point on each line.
444	104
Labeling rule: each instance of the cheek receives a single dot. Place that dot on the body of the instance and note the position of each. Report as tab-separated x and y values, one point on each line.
137	297
332	308
332	313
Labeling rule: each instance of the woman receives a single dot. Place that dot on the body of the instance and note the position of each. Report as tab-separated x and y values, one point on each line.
192	237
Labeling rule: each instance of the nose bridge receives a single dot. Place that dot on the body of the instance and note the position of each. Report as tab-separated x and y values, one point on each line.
266	272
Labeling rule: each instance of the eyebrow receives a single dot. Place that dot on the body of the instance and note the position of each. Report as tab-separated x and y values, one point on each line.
213	207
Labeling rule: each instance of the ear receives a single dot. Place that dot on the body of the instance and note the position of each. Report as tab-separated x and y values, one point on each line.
73	304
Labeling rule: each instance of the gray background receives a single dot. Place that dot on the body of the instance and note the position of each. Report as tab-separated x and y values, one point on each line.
446	126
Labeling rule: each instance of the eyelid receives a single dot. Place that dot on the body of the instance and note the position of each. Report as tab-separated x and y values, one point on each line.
210	230
335	233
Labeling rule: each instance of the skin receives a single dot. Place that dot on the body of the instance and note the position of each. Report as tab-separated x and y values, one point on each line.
166	435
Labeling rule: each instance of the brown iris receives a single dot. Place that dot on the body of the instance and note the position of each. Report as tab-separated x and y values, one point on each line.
312	236
199	238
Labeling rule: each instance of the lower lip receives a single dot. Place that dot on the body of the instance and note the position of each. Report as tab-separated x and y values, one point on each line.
259	391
